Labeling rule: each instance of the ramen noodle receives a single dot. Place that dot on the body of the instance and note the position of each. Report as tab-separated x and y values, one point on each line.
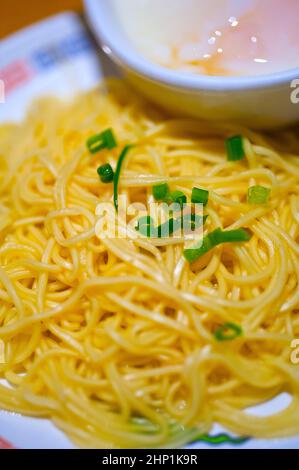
122	342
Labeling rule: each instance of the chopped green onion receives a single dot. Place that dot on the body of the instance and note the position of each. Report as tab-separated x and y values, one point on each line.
258	195
95	143
146	228
106	173
145	220
229	236
166	229
200	196
193	220
228	332
176	197
213	239
160	191
234	148
104	140
109	139
117	173
193	254
221	438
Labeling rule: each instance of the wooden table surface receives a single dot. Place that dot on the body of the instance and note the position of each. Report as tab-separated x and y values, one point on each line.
16	14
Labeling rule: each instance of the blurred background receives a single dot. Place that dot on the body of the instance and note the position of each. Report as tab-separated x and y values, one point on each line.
16	14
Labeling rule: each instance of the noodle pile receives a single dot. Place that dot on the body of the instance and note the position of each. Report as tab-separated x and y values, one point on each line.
113	339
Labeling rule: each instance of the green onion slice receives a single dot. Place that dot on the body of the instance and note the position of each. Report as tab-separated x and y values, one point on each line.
258	195
104	140
117	173
193	254
160	191
221	438
146	228
193	221
229	236
200	196
176	197
228	332
235	148
109	139
213	239
106	173
168	228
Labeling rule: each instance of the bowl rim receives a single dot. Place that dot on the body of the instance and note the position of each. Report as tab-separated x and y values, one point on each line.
130	57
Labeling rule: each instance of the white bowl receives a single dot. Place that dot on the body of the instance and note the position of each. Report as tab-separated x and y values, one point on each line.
262	101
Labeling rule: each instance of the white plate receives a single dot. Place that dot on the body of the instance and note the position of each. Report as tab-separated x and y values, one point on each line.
57	57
